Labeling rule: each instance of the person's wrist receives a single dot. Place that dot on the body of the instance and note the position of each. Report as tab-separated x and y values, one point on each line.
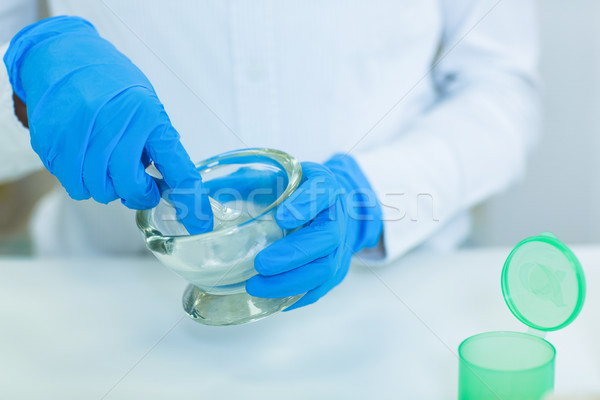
363	208
20	111
365	212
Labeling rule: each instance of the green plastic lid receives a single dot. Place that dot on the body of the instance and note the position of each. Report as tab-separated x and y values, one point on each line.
543	283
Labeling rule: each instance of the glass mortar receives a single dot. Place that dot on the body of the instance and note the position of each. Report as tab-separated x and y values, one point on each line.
218	263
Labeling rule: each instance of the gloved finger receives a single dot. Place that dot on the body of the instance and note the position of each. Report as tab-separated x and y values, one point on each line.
294	282
97	179
69	176
320	238
108	132
187	193
318	192
98	182
315	294
61	154
132	184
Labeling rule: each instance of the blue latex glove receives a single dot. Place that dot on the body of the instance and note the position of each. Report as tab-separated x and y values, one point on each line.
339	215
96	121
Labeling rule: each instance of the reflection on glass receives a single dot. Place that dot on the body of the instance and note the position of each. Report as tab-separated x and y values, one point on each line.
244	187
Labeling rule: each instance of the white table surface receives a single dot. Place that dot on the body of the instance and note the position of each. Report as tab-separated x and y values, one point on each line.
114	329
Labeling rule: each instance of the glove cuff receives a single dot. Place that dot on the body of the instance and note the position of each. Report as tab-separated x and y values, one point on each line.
33	35
363	207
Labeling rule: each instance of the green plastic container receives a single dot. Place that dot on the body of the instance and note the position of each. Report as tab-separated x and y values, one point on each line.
544	287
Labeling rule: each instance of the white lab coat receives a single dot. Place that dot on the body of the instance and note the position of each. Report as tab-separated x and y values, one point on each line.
436	99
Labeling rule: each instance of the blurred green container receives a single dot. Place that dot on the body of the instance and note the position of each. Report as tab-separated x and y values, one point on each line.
544	287
505	365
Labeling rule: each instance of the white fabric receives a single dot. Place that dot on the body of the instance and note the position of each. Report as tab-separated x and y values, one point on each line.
436	99
18	159
15	14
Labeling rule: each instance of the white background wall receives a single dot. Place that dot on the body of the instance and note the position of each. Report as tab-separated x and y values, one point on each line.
561	191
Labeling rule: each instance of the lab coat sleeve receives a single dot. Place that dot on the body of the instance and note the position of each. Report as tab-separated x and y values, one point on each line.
475	139
17	157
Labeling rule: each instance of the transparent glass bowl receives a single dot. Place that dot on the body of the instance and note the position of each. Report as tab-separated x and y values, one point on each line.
252	183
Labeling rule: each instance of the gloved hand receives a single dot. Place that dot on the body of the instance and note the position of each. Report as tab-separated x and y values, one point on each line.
96	121
338	214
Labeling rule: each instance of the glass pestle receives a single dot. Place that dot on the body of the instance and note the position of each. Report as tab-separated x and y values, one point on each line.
224	216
